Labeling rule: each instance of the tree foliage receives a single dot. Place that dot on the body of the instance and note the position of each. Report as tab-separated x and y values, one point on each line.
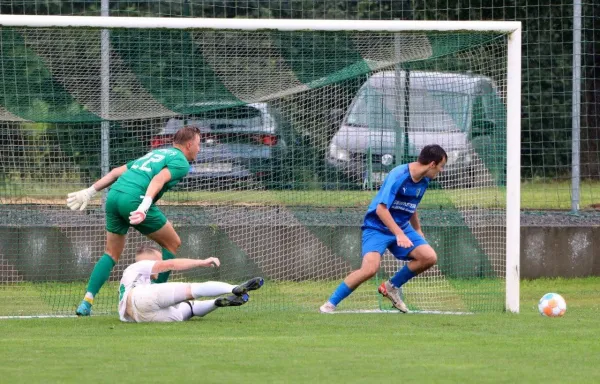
547	54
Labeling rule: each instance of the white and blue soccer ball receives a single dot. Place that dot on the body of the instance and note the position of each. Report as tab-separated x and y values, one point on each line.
552	305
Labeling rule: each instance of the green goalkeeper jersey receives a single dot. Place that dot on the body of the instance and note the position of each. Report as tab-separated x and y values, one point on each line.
140	172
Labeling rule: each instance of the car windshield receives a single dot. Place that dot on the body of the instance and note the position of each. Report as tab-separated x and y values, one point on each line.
241	112
235	117
430	111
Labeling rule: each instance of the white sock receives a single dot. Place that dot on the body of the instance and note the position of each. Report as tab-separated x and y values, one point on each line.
89	297
211	288
204	307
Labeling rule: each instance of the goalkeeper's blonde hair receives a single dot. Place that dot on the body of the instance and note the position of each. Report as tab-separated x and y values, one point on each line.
185	134
147	249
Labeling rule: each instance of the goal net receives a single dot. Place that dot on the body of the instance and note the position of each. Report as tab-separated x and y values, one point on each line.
300	122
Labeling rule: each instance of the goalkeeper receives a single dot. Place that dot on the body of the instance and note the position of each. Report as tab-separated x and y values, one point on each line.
130	202
392	223
140	301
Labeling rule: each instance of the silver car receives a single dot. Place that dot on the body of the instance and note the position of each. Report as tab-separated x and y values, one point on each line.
391	119
238	144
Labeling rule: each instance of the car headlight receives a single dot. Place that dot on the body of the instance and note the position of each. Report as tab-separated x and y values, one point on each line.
453	157
387	159
467	158
338	153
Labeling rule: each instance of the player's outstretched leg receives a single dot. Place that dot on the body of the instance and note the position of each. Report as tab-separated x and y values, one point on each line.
232	301
249	285
204	307
388	290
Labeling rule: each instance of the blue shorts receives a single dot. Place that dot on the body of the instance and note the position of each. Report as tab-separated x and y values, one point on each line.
377	241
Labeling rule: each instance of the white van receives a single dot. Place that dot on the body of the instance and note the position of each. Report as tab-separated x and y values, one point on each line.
390	120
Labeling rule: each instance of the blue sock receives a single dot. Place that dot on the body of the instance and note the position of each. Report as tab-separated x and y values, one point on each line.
402	276
340	293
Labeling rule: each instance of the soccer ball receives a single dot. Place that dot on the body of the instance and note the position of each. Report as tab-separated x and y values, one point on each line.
552	305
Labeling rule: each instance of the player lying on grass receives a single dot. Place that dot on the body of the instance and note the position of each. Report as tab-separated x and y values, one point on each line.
391	222
130	202
141	301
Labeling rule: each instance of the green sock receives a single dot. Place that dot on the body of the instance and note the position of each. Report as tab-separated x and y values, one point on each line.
100	274
164	276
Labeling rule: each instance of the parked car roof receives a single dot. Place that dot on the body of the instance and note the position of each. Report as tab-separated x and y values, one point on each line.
433	81
210	120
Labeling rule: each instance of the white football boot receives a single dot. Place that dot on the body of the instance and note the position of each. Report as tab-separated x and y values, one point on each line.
393	293
327	308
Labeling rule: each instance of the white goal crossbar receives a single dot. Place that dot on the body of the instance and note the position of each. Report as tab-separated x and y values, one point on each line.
258	24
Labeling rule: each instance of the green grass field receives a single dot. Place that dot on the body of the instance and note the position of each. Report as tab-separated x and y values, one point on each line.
534	195
448	295
233	346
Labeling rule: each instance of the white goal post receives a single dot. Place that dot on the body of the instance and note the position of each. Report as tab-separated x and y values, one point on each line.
513	83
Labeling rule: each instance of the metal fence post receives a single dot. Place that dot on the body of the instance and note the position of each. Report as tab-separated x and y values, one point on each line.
576	108
104	98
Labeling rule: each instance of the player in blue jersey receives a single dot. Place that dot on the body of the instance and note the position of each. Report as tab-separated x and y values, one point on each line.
392	223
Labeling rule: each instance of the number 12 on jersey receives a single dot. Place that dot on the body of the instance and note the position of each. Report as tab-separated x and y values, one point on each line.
151	157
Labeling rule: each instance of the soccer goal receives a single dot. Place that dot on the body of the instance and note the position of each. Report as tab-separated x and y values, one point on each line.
301	120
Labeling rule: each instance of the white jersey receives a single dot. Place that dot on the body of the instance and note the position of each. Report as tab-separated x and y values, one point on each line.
133	276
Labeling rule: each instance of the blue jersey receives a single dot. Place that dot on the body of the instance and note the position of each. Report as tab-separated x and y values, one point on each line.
400	194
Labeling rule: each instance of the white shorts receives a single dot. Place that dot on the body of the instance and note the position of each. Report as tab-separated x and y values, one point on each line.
154	303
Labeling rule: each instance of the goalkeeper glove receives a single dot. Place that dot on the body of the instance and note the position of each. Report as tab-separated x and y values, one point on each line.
137	216
80	199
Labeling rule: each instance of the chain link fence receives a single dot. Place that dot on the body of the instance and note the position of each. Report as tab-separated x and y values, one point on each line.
557	171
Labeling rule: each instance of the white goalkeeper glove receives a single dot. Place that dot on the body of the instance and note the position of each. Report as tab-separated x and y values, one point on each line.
139	215
80	199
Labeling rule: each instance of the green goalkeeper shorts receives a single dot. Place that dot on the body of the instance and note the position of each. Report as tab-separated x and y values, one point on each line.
118	207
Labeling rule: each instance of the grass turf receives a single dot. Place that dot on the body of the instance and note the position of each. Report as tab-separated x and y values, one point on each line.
462	295
235	346
536	195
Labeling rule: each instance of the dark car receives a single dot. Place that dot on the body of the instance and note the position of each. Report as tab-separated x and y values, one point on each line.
239	144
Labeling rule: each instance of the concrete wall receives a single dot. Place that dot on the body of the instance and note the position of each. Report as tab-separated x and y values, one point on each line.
560	252
295	252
